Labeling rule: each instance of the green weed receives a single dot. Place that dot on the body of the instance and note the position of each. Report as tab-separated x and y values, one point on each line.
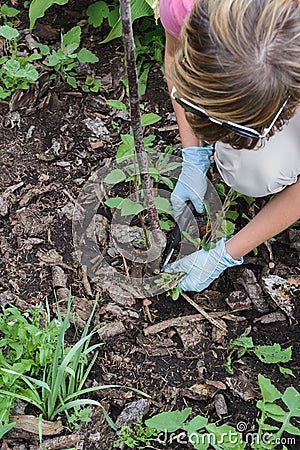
137	436
40	349
16	72
274	421
268	354
64	59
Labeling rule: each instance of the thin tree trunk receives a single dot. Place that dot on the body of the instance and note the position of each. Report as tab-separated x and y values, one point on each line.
129	47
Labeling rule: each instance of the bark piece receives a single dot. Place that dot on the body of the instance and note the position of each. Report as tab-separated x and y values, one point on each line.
4	205
32	223
190	334
31	424
203	389
281	292
276	316
111	330
237	300
58	443
241	387
98	128
254	291
59	278
220	405
217	384
132	412
98	229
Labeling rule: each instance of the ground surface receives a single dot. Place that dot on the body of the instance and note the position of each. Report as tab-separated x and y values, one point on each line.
49	148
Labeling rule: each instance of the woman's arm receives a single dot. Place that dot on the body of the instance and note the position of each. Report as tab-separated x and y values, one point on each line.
188	139
279	213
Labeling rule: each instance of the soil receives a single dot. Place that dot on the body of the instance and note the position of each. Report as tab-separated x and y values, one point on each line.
49	150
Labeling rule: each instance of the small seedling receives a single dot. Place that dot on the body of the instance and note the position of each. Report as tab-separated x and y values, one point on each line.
6	13
64	59
16	72
91	84
137	437
268	354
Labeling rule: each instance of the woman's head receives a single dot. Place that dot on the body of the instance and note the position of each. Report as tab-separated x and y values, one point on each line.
240	60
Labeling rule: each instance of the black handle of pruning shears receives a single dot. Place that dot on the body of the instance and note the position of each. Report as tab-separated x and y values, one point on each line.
182	224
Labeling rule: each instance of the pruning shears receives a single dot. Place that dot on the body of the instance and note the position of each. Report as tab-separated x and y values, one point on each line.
182	224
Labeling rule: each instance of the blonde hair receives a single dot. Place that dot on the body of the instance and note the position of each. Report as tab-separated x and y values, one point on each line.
239	60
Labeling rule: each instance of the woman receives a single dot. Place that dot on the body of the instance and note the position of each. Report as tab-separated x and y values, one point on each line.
233	71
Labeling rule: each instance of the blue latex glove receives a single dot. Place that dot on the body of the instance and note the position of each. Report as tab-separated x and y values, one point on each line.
191	184
202	267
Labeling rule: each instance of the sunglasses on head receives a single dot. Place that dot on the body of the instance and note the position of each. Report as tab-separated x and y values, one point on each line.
236	128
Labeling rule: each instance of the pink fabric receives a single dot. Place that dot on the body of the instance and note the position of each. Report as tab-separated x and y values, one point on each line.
173	13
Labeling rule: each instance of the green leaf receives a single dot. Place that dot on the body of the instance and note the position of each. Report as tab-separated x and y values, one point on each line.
86	56
12	66
163	205
169	183
53	60
116	104
34	57
228	227
96	13
38	7
273	354
143	78
128	207
196	424
9	11
31	73
27	378
138	9
115	176
223	435
247	199
114	202
8	32
169	421
6	428
268	390
44	49
126	149
220	188
195	241
200	441
71	40
166	225
72	82
286	371
148	143
274	411
232	215
291	429
291	398
149	119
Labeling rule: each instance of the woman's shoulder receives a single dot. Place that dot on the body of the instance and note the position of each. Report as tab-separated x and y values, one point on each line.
173	13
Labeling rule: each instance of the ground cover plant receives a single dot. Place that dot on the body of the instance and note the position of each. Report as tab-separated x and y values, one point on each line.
54	138
165	427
